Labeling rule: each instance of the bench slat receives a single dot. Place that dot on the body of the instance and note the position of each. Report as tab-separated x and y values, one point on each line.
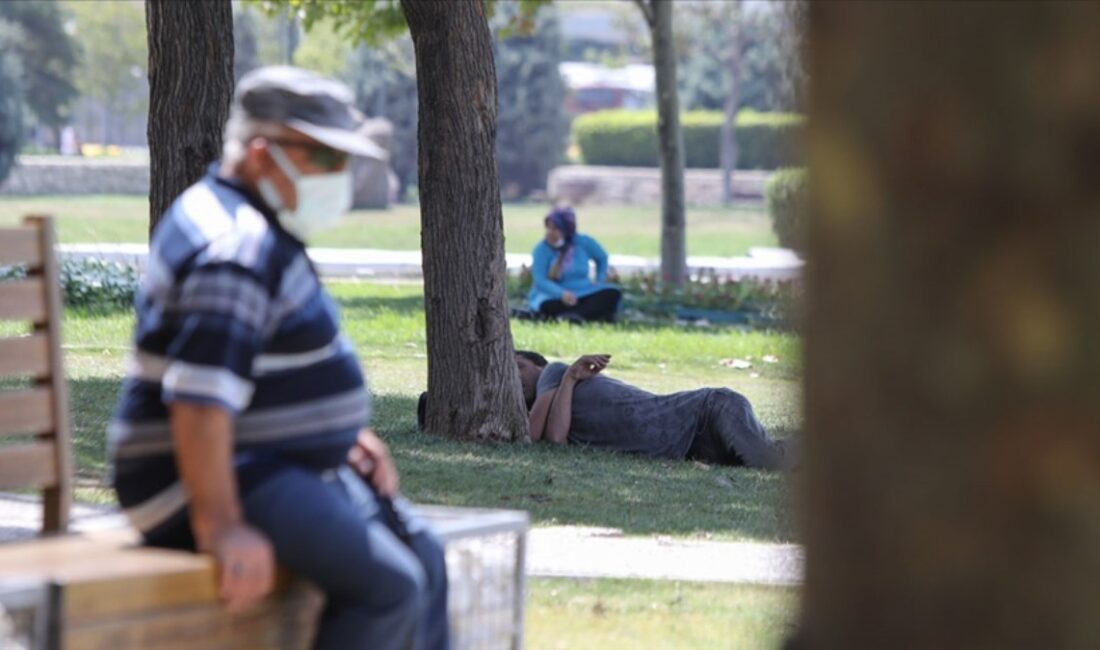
27	465
26	411
25	356
20	245
23	300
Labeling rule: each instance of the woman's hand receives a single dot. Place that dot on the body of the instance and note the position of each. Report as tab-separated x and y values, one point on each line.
569	298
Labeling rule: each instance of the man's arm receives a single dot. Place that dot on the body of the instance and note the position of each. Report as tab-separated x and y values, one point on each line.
552	413
203	440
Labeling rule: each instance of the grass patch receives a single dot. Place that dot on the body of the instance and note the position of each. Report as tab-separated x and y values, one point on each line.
624	230
557	485
627	614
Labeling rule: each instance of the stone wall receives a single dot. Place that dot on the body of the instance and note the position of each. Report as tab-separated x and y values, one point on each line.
58	175
579	184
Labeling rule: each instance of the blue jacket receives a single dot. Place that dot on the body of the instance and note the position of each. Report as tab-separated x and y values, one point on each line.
574	278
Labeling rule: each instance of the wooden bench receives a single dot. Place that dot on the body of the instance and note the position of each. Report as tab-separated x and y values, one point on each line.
105	591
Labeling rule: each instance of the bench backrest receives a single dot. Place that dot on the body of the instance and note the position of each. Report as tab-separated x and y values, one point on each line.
34	428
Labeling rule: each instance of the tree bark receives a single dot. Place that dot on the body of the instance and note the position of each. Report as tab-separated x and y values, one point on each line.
190	87
951	484
472	379
728	142
658	14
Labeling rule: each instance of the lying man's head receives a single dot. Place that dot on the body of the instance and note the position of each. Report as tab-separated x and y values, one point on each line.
530	365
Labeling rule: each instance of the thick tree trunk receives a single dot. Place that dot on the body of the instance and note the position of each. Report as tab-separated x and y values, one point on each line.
472	377
671	141
728	144
190	87
951	483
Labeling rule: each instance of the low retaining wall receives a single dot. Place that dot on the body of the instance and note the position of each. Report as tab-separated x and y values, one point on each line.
580	184
34	175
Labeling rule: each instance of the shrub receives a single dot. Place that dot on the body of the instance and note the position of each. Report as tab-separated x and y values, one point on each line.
91	284
629	138
788	204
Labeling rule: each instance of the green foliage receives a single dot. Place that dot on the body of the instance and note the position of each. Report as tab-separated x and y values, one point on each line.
788	204
93	285
246	54
98	285
113	70
629	138
11	98
770	76
764	304
49	57
384	81
531	125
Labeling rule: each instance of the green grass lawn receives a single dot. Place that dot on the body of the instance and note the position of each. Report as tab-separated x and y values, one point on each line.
624	230
659	615
557	485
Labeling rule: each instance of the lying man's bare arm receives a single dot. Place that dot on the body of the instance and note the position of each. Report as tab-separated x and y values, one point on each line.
552	413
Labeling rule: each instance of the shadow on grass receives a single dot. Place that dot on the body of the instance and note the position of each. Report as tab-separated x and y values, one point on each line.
575	486
363	305
555	484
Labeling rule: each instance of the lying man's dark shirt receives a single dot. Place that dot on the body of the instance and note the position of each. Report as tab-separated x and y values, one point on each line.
610	414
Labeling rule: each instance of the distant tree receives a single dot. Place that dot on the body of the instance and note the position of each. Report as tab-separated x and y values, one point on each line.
658	15
49	57
246	55
112	70
531	124
769	69
11	97
384	80
190	87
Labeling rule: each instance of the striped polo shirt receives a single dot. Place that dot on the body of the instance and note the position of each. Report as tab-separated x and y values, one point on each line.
230	312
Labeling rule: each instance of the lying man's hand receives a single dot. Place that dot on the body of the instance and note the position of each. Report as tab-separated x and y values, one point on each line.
370	457
588	366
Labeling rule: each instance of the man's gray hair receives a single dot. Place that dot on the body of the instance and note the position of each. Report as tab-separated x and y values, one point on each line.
241	128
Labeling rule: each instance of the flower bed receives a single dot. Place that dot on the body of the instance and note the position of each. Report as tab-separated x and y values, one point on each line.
708	297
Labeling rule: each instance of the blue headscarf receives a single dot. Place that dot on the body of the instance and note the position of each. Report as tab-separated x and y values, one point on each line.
565	220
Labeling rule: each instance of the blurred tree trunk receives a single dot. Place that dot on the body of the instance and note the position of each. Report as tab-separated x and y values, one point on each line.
190	87
951	484
728	145
472	378
658	15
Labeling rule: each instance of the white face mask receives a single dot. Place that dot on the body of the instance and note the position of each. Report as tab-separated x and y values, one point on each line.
322	198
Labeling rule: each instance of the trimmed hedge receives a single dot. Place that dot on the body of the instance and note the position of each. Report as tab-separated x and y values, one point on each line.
629	138
788	205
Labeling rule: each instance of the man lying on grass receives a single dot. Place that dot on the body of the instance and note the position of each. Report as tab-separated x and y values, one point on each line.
577	404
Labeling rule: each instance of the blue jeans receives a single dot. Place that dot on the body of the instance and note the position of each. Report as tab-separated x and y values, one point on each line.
380	592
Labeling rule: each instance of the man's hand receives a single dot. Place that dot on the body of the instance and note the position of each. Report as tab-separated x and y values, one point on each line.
370	457
246	565
569	298
588	366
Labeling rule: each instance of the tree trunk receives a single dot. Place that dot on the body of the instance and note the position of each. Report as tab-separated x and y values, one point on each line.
951	485
671	142
472	378
190	87
728	144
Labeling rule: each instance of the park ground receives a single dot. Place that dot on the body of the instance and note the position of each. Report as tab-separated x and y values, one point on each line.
557	486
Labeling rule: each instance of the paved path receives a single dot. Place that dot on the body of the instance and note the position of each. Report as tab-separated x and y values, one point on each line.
556	551
761	262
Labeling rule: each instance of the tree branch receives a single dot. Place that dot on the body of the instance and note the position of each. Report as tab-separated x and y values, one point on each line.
647	11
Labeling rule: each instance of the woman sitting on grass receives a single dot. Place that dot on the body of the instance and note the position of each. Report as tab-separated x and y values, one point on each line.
561	285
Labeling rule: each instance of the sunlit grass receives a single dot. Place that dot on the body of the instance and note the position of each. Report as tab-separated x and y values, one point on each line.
624	230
